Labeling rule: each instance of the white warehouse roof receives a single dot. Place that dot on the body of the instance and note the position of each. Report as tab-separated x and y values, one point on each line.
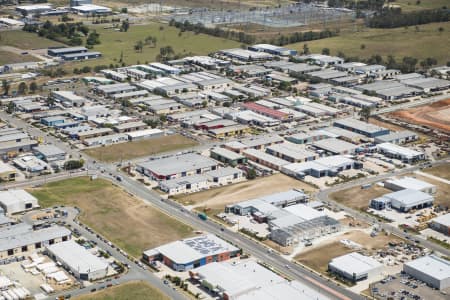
354	263
411	183
443	220
433	266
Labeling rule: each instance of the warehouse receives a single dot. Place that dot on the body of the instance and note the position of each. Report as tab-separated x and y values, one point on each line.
130	126
49	153
355	267
186	184
17	201
307	138
20	240
271	49
428	84
15	142
246	55
249	117
7	172
360	127
441	224
345	135
91	9
403	200
177	166
268	112
190	253
65	51
431	269
291	152
248	280
105	139
250	71
227	156
129	95
224	176
68	98
404	154
265	159
82	263
325	166
410	183
116	88
145	134
28	10
81	56
398	138
96	132
165	68
235	130
335	146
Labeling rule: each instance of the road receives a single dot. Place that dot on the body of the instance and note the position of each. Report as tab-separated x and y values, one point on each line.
324	196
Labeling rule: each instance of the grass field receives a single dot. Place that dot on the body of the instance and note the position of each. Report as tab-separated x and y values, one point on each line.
412	5
113	43
142	148
399	42
442	171
25	40
127	291
110	211
358	198
7	57
318	257
217	198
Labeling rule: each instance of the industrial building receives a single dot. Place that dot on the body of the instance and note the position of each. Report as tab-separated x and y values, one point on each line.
49	153
355	267
14	141
398	138
145	134
324	166
404	154
81	56
431	269
275	50
291	152
190	253
224	176
403	200
28	10
227	156
177	166
360	127
21	239
16	201
59	52
7	172
186	184
410	183
82	263
245	55
68	98
441	224
335	146
91	9
248	280
265	159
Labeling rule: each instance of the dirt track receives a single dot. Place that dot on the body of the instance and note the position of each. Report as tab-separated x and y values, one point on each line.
436	115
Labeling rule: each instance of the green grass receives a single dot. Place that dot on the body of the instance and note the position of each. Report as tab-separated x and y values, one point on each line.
128	222
7	57
411	5
127	291
113	43
399	42
25	40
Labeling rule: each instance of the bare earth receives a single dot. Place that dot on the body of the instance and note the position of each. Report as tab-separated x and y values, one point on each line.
219	197
436	115
358	198
442	171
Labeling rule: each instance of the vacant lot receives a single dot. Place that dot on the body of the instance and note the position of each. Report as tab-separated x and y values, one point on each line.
217	4
127	291
358	198
318	257
427	42
219	197
112	212
7	57
435	115
411	5
442	171
141	148
25	40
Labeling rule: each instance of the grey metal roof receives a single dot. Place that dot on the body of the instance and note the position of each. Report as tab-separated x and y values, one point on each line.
177	164
433	266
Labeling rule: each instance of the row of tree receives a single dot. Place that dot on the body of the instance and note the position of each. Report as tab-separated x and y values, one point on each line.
392	18
22	88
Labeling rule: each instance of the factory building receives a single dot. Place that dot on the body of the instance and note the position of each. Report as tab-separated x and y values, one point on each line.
14	141
398	138
227	156
91	9
404	154
182	185
291	152
7	172
59	52
431	269
49	153
334	146
82	263
265	159
145	134
28	10
177	166
191	253
271	49
441	224
360	127
355	267
254	143
21	239
224	176
403	200
68	98
16	201
410	183
248	280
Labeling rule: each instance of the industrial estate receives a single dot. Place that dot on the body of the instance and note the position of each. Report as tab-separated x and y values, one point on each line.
230	163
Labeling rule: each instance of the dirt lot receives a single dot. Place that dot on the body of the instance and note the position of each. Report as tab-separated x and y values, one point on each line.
358	198
131	290
219	197
125	220
318	257
442	171
140	148
436	115
442	190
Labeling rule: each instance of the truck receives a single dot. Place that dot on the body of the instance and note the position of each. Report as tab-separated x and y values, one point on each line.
203	216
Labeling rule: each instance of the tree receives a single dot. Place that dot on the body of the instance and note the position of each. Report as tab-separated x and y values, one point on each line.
73	164
6	86
251	174
50	101
326	51
163	118
305	49
139	46
22	89
124	10
204	103
364	113
11	107
125	26
33	87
